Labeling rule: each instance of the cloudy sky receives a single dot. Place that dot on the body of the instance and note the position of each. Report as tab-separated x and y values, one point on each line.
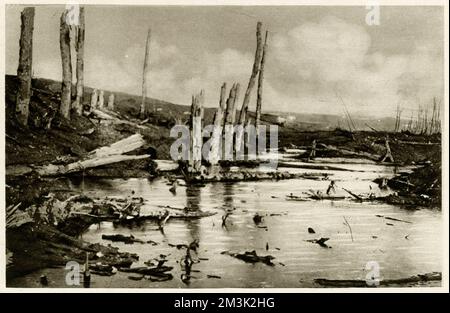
316	53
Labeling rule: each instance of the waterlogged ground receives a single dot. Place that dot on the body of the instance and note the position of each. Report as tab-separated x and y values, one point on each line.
401	249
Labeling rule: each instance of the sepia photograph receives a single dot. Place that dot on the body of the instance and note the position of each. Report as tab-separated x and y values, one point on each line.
235	145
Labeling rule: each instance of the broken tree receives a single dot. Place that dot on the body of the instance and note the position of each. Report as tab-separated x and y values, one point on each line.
196	123
144	75
24	71
111	102
216	152
260	85
101	156
66	87
79	47
255	70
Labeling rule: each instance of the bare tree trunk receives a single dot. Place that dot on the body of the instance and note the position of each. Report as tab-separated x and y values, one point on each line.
24	71
94	98
111	102
260	85
144	74
230	105
101	99
64	40
217	132
237	89
196	131
255	70
79	46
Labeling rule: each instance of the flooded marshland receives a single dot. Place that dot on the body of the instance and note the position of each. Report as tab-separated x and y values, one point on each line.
407	246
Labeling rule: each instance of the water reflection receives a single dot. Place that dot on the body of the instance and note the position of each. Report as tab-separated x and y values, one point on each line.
402	250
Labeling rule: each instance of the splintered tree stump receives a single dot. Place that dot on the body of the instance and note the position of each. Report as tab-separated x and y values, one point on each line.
79	47
101	99
24	70
66	87
94	98
111	102
260	85
255	70
144	75
215	152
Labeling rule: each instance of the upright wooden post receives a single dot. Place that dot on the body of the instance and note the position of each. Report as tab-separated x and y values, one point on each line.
24	71
215	152
255	70
260	85
79	46
66	87
144	74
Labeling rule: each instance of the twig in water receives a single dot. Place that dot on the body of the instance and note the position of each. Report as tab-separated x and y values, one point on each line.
349	227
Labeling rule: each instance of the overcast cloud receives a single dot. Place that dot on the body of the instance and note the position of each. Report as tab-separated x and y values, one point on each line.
311	60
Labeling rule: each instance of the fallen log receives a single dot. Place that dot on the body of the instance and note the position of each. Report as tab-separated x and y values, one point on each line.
146	270
315	167
52	170
353	195
370	156
345	283
166	165
125	145
122	238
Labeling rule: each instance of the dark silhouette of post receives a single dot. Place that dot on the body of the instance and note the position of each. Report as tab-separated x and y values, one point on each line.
24	71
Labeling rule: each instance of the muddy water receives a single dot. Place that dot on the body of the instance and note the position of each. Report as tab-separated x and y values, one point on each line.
401	249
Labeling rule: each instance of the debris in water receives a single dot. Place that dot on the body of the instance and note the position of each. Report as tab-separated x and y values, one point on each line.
257	218
213	276
320	242
251	257
311	231
122	238
434	276
392	219
44	281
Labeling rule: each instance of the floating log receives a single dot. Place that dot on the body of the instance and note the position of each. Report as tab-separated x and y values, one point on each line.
122	238
345	283
251	257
